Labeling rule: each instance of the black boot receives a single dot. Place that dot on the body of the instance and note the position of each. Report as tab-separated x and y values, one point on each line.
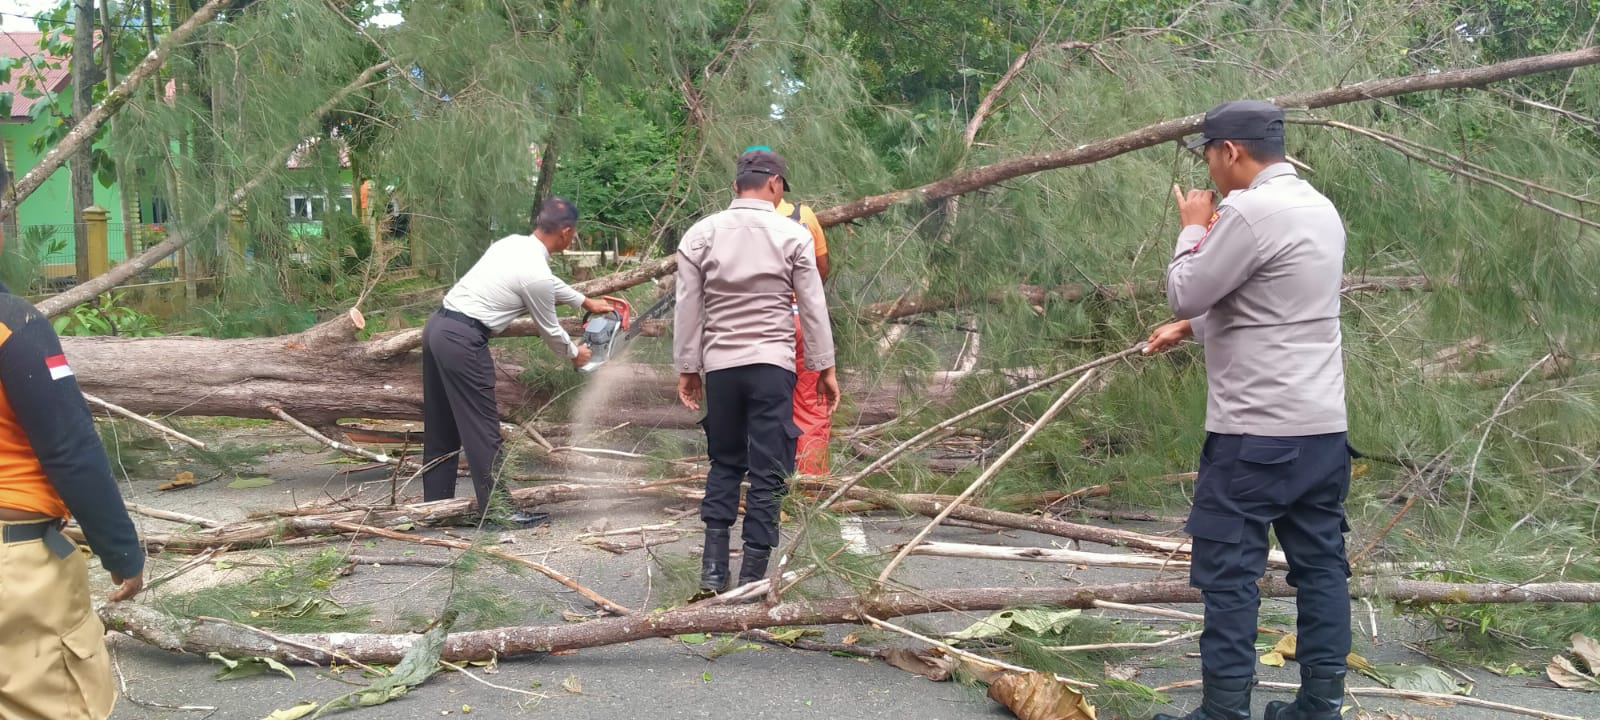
714	562
754	566
1321	696
1221	699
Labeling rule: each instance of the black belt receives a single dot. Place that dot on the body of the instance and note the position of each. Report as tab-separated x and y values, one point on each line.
47	530
463	317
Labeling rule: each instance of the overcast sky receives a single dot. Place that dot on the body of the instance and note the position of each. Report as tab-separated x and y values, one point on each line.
12	8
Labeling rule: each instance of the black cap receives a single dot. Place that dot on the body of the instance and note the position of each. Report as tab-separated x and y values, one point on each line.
1240	120
765	162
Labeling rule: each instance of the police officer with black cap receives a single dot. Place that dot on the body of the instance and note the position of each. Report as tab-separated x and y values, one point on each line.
1255	279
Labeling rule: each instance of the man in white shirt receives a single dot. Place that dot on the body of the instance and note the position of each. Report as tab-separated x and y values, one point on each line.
458	406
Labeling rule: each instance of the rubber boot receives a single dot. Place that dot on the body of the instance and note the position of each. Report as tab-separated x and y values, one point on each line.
1221	699
1321	696
714	574
754	566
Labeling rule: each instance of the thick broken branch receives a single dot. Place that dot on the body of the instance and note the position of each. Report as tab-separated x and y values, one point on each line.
1145	137
198	636
1116	292
119	96
1047	555
303	523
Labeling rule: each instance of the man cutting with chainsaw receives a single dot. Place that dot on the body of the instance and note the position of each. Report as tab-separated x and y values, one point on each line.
458	405
814	420
741	272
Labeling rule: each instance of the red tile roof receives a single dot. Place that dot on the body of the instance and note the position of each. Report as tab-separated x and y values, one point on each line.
24	45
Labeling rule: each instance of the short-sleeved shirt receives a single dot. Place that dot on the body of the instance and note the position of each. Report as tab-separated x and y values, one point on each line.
809	219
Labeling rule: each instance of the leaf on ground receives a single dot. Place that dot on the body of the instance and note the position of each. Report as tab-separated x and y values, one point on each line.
1417	678
246	483
1038	622
181	480
1587	650
1285	650
851	639
292	713
248	667
694	638
1571	675
1037	696
572	685
419	664
927	663
1562	672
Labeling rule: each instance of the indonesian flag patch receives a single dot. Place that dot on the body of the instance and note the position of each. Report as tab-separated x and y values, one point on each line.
58	367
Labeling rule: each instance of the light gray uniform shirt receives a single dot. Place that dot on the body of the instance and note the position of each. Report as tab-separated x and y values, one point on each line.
511	278
1261	288
741	272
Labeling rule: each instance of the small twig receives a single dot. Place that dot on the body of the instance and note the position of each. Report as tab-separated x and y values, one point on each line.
974	657
122	680
628	531
1386	530
193	563
537	437
399	560
142	420
1401	147
889	457
993	469
1174	640
1427	697
292	643
335	444
463	670
1472	472
160	514
542	569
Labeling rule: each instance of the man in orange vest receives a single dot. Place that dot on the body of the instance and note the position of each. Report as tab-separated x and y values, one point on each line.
813	418
53	658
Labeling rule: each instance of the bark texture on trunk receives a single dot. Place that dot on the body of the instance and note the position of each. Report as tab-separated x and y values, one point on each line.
325	373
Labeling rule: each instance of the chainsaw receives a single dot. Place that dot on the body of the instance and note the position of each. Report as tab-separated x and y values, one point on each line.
601	332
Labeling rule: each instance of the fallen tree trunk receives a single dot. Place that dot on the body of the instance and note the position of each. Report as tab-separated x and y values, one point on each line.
325	373
203	636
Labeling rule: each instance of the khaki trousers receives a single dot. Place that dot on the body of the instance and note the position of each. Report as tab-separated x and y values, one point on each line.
53	659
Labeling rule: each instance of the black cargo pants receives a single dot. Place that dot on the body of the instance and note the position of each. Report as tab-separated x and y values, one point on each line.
1298	486
458	406
750	431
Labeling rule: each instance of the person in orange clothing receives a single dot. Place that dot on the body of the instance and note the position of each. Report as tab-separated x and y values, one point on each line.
816	423
53	658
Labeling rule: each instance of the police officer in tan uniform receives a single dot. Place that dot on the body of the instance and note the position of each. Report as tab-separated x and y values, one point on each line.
1255	278
53	659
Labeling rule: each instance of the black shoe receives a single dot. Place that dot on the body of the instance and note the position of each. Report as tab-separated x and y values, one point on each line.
1321	696
754	565
714	577
517	520
1221	699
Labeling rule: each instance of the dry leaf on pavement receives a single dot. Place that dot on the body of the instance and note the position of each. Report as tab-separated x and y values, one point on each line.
1037	696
